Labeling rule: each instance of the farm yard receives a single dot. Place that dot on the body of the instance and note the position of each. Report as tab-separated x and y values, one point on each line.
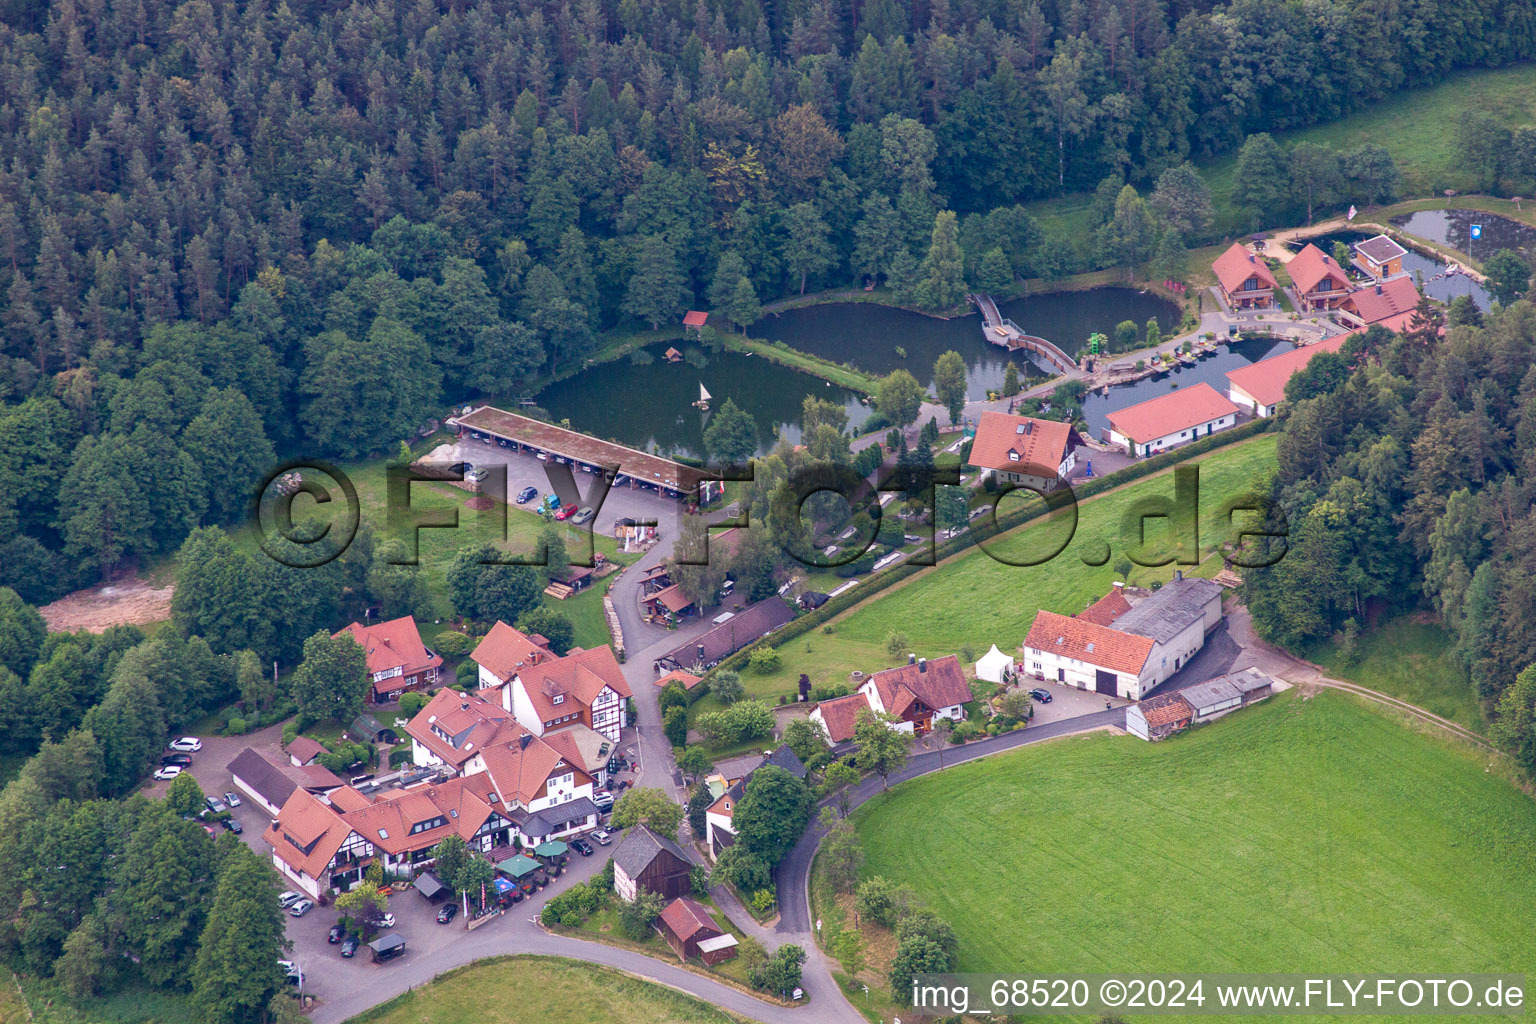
974	600
1300	835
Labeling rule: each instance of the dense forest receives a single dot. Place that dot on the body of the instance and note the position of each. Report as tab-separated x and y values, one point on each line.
229	231
1408	479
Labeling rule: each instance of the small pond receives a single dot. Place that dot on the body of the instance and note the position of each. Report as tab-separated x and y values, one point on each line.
648	403
878	339
1210	370
1429	273
1454	228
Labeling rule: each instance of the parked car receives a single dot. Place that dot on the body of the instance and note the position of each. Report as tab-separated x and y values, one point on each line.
180	760
446	912
233	824
603	801
582	847
301	908
292	972
583	516
475	476
186	745
566	512
167	772
336	934
542	457
232	799
601	837
215	804
387	921
349	945
1042	696
526	495
289	898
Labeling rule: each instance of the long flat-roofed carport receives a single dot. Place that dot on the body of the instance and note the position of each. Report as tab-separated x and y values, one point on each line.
591	454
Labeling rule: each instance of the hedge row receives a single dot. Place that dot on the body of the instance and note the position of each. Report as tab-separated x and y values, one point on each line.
881	581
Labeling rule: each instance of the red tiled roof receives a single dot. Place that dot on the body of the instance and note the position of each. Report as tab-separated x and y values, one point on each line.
1397	324
387	821
1034	442
1171	413
391	645
305	749
1098	645
1237	265
1166	709
474	723
1265	380
519	770
1311	266
695	318
580	675
672	598
504	650
306	834
841	715
686	919
942	685
1375	303
687	679
1106	609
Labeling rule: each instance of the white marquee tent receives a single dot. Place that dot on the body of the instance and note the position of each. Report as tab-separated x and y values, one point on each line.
993	664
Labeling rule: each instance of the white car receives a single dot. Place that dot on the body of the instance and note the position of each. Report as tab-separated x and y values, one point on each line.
186	745
301	908
289	898
170	771
387	921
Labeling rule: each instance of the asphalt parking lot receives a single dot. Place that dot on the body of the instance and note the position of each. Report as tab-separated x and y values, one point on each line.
524	470
1068	702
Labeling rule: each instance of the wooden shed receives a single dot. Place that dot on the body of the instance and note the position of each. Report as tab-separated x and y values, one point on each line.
645	859
688	928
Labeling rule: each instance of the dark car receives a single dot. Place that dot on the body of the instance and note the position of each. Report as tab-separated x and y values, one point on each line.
349	945
233	824
446	912
582	847
526	495
1042	696
179	760
337	933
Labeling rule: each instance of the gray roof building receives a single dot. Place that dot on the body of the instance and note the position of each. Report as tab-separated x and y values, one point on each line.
1168	611
260	777
1223	693
641	846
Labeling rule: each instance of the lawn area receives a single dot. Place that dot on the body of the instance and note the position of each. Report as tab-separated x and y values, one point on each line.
1426	154
438	546
973	599
1412	659
1299	835
541	990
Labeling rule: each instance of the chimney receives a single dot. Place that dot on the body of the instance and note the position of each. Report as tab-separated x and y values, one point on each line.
1378	287
1178	574
1029	426
911	659
523	740
701	654
922	664
1118	585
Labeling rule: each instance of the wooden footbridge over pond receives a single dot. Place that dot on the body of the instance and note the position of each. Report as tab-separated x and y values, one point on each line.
1009	335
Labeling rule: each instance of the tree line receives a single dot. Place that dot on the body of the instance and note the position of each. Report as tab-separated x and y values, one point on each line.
225	231
1408	481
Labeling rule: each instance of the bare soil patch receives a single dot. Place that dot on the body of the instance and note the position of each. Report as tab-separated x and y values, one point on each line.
130	601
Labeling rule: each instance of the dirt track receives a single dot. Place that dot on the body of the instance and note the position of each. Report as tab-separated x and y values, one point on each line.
127	602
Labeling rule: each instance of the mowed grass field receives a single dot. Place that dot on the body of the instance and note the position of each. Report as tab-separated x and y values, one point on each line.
1418	127
976	600
541	990
1298	835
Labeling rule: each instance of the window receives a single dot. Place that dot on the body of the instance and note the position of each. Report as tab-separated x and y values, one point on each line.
558	698
383	833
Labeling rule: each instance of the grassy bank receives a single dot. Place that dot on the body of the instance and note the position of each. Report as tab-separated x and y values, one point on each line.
541	990
778	352
975	600
1418	127
1299	835
1414	659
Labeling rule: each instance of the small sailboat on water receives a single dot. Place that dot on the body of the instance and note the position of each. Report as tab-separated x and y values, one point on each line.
703	402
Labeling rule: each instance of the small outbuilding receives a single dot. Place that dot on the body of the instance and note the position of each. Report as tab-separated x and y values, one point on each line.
386	947
688	928
694	321
994	666
1215	697
303	751
1158	717
430	886
647	860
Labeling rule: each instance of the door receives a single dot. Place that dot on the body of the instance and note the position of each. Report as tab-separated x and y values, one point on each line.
1061	675
1106	682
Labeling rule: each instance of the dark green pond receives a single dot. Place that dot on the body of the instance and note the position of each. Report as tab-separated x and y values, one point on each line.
879	339
1428	273
649	405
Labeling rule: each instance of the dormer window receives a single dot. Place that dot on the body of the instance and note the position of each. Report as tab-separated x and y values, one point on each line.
1013	456
558	698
